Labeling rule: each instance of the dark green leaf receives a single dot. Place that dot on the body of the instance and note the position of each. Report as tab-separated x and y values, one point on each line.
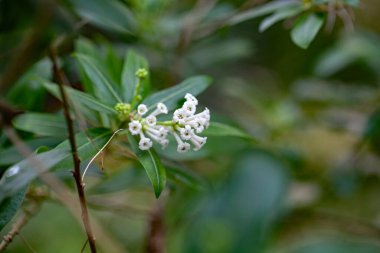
77	97
220	129
42	124
306	29
132	63
172	95
185	177
11	155
26	93
111	14
152	165
103	89
9	207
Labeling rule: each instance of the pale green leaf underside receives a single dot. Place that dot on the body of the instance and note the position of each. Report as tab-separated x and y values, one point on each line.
306	29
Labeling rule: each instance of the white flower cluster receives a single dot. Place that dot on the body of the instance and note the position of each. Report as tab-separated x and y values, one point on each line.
184	125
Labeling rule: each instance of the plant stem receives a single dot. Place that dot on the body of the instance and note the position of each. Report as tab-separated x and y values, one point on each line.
19	224
76	173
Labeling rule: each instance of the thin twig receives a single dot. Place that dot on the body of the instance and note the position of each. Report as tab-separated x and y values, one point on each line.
100	151
76	173
19	224
27	244
84	246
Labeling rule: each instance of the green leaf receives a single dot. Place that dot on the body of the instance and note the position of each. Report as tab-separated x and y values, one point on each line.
220	129
88	144
152	165
262	10
42	124
9	207
19	175
102	87
186	178
11	155
111	15
78	97
132	63
172	95
306	29
279	15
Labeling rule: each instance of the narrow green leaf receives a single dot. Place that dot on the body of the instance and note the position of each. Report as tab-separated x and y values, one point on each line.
9	207
152	165
111	15
262	10
102	87
19	175
279	15
172	95
11	155
186	178
306	29
42	124
82	98
88	144
132	63
220	129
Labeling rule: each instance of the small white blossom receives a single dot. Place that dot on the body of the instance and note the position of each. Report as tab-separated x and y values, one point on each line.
135	127
161	107
145	143
186	133
180	116
151	120
142	109
183	147
189	107
191	98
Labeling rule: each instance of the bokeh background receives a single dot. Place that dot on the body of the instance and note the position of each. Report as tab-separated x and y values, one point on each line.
307	181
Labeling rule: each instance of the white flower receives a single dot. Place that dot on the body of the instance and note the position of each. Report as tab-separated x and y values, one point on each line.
184	126
145	143
189	107
191	98
186	132
183	147
198	141
179	116
151	120
142	109
162	108
135	127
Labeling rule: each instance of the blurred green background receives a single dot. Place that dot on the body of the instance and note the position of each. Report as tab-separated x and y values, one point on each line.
309	183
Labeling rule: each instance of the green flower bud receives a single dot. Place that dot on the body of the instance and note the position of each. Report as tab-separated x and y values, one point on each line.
123	110
142	73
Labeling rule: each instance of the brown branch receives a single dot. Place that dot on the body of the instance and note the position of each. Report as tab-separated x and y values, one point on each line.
76	173
156	235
